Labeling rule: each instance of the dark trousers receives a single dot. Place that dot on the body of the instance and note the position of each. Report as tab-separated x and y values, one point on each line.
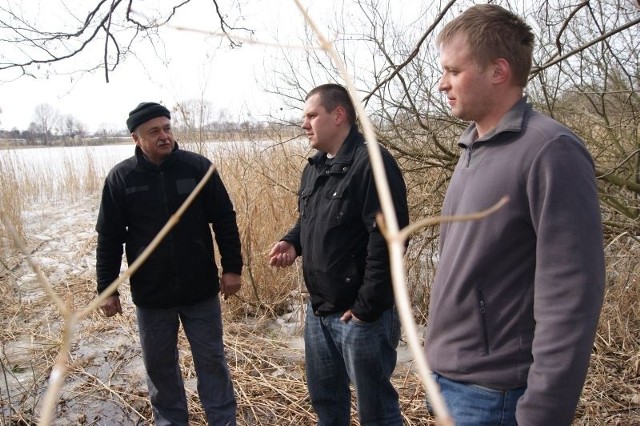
202	324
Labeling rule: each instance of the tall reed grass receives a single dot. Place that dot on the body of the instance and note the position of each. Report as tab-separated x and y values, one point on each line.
11	202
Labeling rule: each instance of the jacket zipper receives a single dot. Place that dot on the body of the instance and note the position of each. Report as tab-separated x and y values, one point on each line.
168	237
483	320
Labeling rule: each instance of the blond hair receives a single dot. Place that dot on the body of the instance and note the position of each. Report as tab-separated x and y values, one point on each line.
493	32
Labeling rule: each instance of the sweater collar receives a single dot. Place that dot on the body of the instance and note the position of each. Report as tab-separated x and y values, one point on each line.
513	121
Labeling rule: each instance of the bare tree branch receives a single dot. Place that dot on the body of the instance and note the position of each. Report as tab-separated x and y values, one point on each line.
566	23
536	70
38	46
413	54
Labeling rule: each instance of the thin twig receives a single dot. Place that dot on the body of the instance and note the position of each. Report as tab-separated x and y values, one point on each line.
413	227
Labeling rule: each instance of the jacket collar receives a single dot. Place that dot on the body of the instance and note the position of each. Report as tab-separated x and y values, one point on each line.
513	121
144	161
346	152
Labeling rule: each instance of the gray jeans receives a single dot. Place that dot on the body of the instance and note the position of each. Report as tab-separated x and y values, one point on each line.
202	324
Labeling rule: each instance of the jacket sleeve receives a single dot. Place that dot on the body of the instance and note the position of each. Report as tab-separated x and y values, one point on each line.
108	261
569	280
111	230
225	227
293	237
376	293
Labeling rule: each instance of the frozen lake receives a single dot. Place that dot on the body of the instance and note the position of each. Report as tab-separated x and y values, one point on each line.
97	160
52	161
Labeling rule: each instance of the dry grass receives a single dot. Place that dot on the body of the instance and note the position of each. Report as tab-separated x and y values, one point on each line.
262	180
106	375
612	390
11	202
267	371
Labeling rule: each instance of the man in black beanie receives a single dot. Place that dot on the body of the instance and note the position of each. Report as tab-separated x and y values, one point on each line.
179	282
145	111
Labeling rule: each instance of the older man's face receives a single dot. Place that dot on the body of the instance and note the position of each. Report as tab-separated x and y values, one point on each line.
155	139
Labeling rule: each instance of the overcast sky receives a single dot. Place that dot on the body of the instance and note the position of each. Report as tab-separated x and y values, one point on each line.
198	64
231	79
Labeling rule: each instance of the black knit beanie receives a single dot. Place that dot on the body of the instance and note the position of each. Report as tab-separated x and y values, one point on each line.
145	111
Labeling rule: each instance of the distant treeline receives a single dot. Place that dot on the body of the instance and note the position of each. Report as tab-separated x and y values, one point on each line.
215	131
7	142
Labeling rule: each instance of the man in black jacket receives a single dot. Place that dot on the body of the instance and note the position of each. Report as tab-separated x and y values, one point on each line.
179	282
352	328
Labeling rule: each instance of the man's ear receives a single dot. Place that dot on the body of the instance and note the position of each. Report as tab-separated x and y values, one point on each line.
340	114
501	71
136	138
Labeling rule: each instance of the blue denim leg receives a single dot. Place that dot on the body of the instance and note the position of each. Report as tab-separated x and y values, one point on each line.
202	324
158	330
365	354
473	405
327	378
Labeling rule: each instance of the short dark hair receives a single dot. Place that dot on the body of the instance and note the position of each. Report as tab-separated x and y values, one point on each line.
332	96
493	32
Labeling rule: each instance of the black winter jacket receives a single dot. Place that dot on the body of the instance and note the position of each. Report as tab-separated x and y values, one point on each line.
138	198
345	257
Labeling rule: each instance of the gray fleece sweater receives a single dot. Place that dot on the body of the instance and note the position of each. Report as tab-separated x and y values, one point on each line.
517	295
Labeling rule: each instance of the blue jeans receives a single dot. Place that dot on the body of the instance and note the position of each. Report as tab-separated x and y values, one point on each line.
473	405
338	352
202	324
